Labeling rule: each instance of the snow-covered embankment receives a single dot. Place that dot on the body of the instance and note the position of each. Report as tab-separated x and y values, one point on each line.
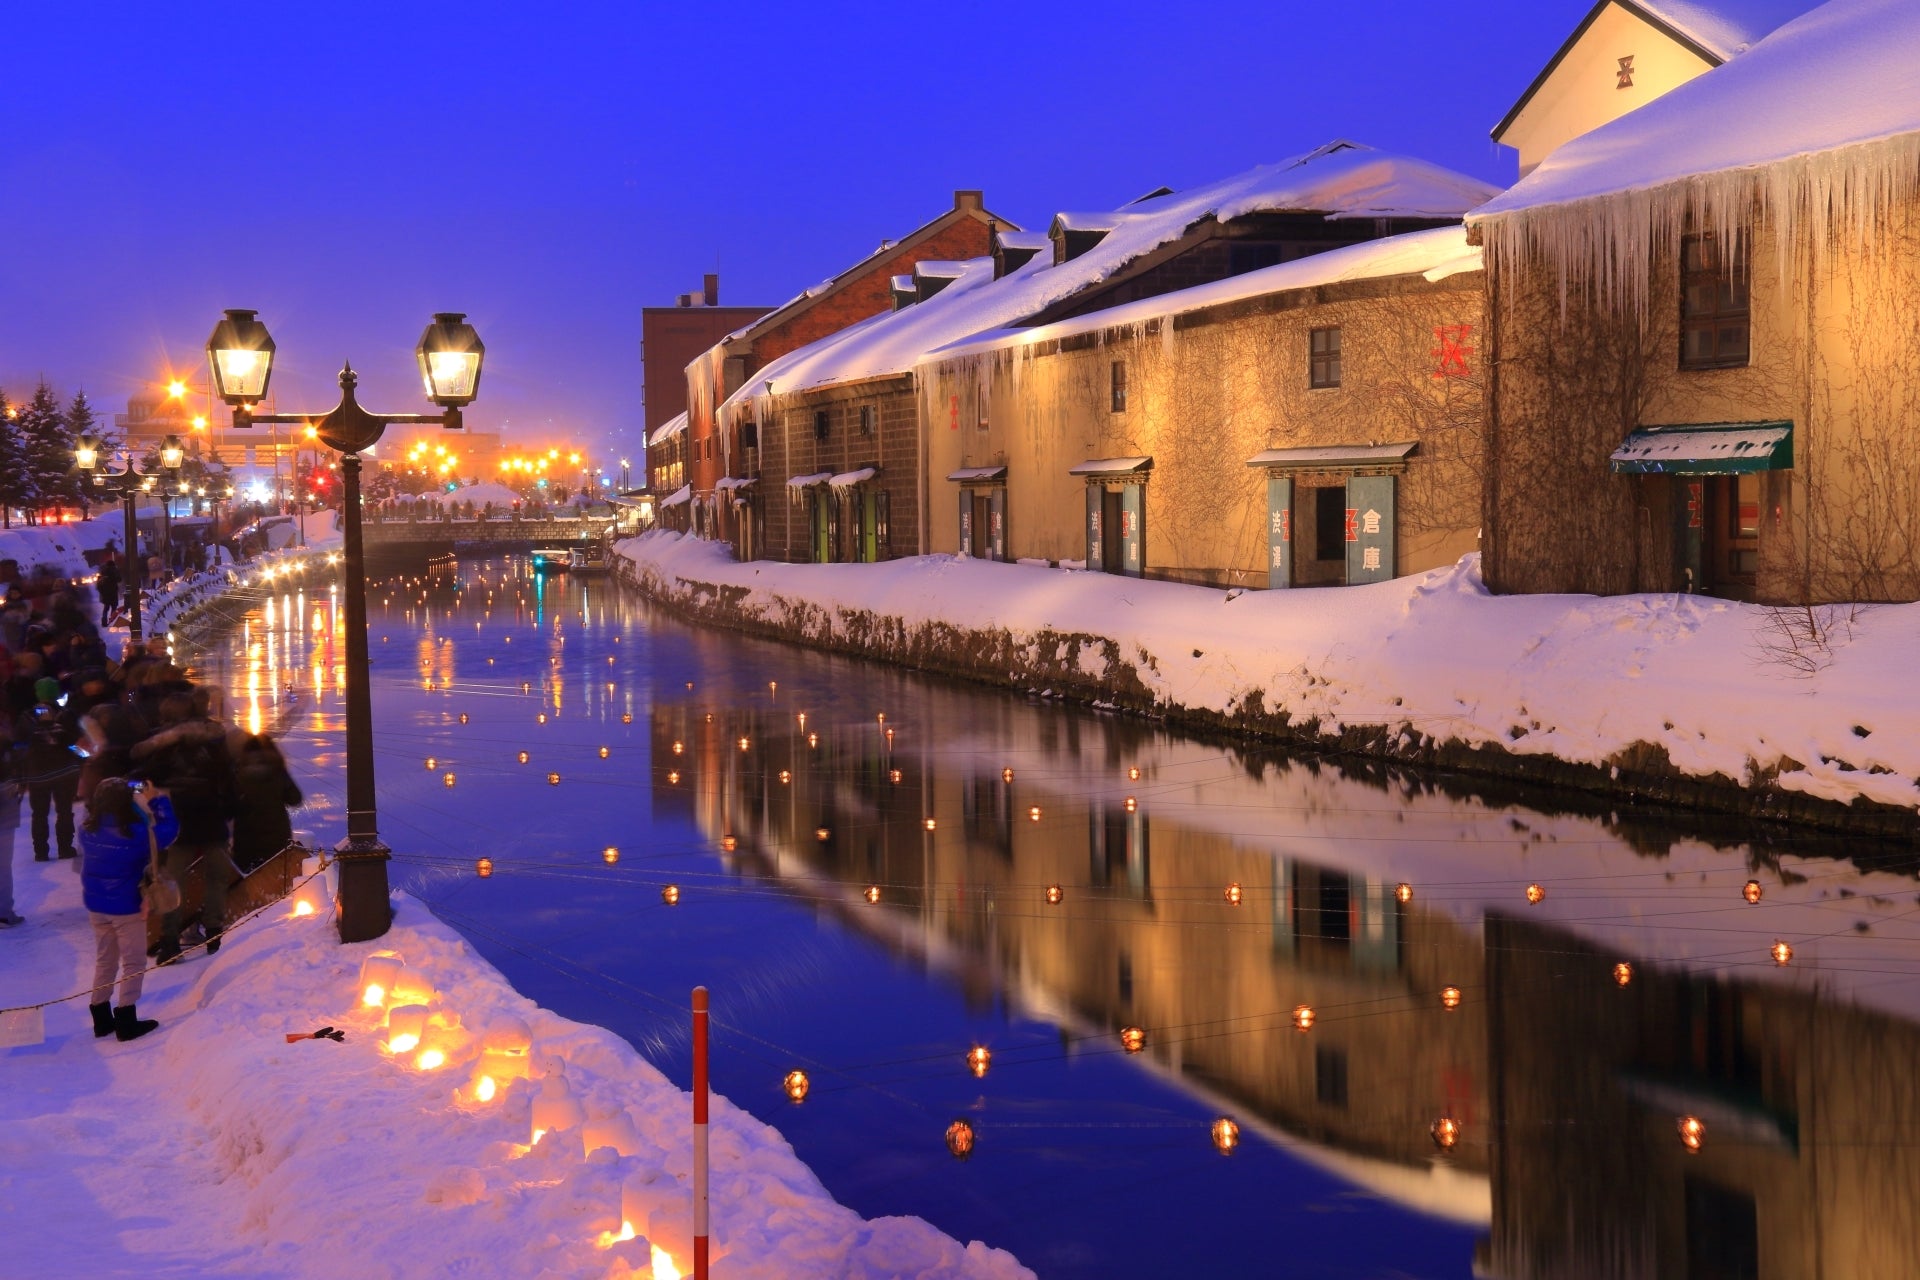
1680	698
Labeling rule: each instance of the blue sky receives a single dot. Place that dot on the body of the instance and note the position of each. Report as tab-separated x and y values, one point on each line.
350	168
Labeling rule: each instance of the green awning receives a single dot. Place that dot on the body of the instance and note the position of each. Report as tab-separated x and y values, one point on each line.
1710	449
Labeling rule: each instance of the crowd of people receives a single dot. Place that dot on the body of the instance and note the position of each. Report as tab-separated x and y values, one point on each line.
170	794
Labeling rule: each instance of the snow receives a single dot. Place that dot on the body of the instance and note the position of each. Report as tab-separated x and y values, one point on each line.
677	497
478	494
966	475
1579	678
1726	28
809	480
668	430
1338	180
1332	455
215	1146
848	479
1111	466
734	482
1661	448
1818	123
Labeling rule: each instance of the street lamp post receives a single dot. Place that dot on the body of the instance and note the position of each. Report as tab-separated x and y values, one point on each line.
127	482
240	353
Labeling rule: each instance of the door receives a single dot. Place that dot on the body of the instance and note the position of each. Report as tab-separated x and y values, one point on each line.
1113	550
997	523
822	526
869	506
1689	499
1370	529
1733	535
982	520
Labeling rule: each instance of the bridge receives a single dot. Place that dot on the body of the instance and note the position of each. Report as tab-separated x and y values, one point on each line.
482	536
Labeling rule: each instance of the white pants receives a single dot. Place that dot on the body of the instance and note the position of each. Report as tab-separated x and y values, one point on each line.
119	946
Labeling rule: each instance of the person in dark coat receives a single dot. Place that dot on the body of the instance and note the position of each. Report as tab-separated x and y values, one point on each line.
115	854
46	763
189	758
264	792
107	587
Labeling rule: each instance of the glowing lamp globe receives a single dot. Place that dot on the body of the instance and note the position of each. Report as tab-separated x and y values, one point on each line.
1133	1039
1226	1135
1303	1017
378	975
240	357
406	1023
1693	1133
796	1085
960	1139
979	1058
450	354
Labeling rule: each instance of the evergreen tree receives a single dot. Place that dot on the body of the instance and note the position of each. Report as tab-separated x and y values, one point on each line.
14	489
49	453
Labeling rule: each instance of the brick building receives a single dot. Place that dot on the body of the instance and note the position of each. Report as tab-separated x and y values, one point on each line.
670	337
858	293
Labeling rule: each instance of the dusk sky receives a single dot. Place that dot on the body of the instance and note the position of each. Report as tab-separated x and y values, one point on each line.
347	169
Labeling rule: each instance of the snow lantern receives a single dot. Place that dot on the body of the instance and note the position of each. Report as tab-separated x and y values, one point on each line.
377	976
555	1110
612	1129
406	1023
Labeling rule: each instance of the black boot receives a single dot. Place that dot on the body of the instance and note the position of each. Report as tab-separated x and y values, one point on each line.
102	1019
168	951
213	941
128	1025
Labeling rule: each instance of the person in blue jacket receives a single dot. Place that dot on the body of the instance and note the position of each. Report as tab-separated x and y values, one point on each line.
114	856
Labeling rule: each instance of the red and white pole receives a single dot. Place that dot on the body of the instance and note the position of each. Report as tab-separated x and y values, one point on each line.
700	1259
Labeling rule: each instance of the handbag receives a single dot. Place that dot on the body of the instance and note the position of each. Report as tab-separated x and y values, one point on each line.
163	891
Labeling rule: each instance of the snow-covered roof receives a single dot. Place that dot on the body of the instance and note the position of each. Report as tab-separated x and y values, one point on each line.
669	429
1035	240
678	496
809	480
1087	221
1840	76
1307	457
1111	467
848	479
734	482
1339	180
1433	254
1723	28
937	269
972	475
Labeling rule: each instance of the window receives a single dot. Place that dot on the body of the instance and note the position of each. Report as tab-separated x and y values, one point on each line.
1330	523
1330	1076
1119	386
1323	358
1715	303
820	424
866	419
749	435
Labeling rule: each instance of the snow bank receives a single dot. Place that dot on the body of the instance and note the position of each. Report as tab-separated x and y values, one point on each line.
1717	686
214	1145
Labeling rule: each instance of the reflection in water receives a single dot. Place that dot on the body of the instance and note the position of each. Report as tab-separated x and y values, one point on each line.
1484	1012
1339	963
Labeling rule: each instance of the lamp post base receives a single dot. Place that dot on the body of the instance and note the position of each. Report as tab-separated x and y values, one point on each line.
366	906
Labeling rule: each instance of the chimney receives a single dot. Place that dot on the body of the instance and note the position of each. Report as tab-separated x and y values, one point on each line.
710	285
975	200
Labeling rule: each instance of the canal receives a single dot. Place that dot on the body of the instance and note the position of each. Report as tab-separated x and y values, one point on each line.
1447	1028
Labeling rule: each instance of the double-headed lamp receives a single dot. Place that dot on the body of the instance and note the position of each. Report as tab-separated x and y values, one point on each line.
240	356
450	353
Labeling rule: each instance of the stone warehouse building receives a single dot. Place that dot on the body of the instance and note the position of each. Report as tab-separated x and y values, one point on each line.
1705	335
734	510
875	425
